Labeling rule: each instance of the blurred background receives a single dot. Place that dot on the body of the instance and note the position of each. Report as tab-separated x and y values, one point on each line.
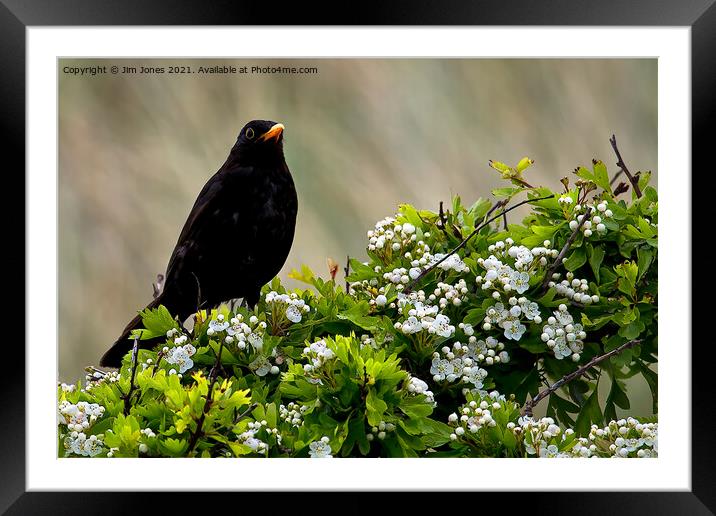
362	135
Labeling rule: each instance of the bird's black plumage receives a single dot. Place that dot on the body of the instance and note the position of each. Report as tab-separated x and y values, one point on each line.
237	236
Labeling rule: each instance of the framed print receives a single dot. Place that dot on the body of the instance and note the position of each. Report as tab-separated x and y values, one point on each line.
206	279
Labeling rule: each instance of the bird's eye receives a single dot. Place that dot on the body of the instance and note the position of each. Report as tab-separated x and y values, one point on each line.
250	133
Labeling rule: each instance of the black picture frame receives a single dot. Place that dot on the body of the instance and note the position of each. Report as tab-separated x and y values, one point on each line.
17	15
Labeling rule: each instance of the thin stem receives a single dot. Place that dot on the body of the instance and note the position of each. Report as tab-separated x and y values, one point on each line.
527	409
127	398
443	219
347	271
620	163
558	261
467	239
246	413
207	404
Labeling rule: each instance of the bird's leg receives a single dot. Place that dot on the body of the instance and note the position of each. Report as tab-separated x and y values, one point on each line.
158	285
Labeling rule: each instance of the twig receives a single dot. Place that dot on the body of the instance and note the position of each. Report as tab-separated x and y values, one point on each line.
347	271
620	163
160	355
442	225
246	412
496	206
529	405
620	189
443	219
207	404
616	176
127	398
467	239
558	261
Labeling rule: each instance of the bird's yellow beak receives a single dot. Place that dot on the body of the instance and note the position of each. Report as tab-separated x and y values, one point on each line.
272	134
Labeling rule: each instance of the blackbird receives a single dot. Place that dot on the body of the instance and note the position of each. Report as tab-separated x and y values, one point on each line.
237	236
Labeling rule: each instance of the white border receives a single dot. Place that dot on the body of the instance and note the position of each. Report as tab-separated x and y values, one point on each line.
670	471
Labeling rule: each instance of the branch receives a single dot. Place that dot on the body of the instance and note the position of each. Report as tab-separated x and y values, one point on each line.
442	225
127	398
558	261
620	163
527	409
245	413
347	271
207	404
467	239
443	220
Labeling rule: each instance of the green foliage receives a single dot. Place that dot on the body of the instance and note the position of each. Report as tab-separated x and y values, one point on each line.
411	359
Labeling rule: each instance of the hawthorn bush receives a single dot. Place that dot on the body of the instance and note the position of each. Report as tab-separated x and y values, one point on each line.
439	345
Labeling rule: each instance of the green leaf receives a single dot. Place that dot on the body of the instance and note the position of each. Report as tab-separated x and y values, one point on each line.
375	406
533	345
590	413
524	164
359	271
415	407
618	395
358	315
500	167
411	215
596	255
627	274
632	330
174	447
653	382
585	174
645	255
305	275
157	321
576	259
506	192
644	179
480	208
601	177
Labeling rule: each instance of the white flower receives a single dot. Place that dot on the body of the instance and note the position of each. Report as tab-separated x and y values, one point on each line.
530	309
320	449
293	314
218	325
256	341
520	281
453	262
181	356
441	326
476	376
441	368
514	329
248	439
411	325
260	366
381	300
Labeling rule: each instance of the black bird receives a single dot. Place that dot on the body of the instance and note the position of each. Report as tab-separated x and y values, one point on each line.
237	236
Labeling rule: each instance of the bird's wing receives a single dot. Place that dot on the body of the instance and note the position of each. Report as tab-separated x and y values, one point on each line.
206	202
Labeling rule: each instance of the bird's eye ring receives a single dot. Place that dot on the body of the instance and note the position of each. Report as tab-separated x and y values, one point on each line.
250	133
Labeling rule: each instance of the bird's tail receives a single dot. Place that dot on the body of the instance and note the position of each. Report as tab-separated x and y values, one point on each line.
113	356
